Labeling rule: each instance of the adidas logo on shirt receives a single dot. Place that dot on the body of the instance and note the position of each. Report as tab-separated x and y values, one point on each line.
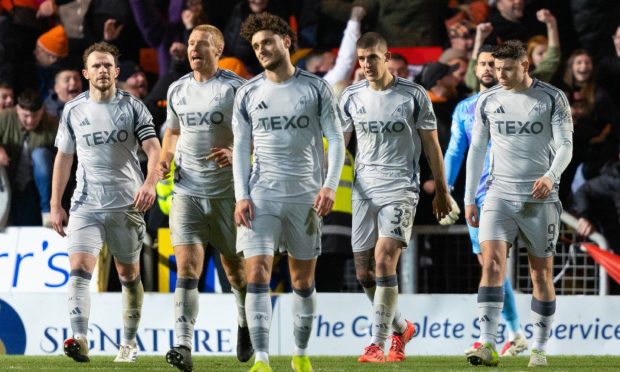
397	231
182	102
261	105
500	110
361	110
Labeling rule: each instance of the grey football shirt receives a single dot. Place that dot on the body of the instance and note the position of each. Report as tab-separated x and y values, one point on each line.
286	122
105	136
203	113
386	124
526	129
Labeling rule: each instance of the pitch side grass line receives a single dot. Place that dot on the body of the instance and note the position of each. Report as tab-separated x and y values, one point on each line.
320	364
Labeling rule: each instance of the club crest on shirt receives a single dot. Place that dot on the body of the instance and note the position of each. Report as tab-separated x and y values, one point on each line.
122	119
301	103
217	98
539	108
399	111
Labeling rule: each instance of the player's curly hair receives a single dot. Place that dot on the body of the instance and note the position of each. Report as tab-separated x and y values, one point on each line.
102	47
266	22
511	49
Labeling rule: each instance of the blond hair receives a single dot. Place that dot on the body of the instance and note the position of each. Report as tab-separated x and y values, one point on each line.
216	35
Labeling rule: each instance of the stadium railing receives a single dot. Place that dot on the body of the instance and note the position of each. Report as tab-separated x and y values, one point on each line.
576	273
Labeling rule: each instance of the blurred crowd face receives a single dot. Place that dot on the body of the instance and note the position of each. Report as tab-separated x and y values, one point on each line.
29	119
510	72
101	71
398	67
447	86
512	10
196	7
68	85
464	43
538	53
485	69
328	61
43	57
271	49
582	68
203	54
320	64
459	73
138	83
373	62
616	39
6	98
258	6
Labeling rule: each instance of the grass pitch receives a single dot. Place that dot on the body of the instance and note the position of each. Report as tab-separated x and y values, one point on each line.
335	364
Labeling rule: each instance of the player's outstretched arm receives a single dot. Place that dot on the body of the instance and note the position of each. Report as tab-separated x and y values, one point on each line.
442	200
60	177
168	147
145	197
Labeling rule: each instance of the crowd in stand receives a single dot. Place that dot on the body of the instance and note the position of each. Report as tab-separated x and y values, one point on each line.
574	45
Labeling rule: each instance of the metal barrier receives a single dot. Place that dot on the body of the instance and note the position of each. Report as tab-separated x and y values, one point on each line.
409	259
600	240
576	271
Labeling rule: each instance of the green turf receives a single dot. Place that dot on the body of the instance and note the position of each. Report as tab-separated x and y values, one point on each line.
435	363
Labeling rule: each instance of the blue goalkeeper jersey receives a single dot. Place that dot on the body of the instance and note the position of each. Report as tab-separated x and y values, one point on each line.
460	139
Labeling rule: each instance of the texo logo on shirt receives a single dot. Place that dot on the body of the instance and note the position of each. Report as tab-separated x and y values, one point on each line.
519	127
105	137
284	122
378	126
191	119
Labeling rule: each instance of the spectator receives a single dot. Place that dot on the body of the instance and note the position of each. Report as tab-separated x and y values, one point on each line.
402	23
593	21
608	71
544	52
594	117
67	86
160	29
472	11
510	22
592	203
318	62
87	22
26	138
461	36
6	96
50	48
439	80
19	33
398	66
457	57
133	80
339	70
156	101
